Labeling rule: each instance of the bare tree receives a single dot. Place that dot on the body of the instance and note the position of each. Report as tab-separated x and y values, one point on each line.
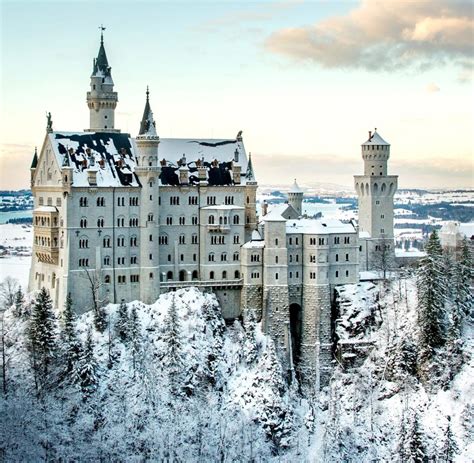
383	257
94	278
8	289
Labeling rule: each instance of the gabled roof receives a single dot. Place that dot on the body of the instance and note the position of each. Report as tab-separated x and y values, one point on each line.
111	154
375	139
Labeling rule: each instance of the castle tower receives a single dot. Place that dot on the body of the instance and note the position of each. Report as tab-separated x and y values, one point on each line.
102	99
148	173
295	198
251	199
375	190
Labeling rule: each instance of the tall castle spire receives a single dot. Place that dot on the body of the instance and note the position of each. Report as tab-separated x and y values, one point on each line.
147	139
101	99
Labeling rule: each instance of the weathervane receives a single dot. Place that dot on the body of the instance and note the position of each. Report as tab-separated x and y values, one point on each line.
102	29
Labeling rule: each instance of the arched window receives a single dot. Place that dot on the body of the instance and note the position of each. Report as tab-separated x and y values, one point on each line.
100	222
169	276
151	217
195	275
83	222
107	279
106	242
211	220
237	274
236	220
211	275
224	275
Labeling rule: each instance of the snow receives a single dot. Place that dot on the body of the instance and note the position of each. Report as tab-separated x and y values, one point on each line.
46	209
375	139
411	252
318	226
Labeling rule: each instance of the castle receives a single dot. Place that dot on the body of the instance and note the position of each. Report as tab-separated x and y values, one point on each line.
118	218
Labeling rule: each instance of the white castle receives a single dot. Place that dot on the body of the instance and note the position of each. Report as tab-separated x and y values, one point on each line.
118	218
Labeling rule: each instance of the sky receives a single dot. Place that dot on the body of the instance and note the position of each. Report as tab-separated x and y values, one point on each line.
304	80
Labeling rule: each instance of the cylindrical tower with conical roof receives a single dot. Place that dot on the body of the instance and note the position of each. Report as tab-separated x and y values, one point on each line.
295	198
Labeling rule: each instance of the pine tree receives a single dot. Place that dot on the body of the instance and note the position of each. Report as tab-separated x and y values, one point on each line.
414	445
100	319
87	368
173	353
449	448
135	336
431	286
19	301
121	325
250	346
464	297
42	332
70	344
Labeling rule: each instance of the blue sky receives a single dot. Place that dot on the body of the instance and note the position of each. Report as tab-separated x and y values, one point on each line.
305	81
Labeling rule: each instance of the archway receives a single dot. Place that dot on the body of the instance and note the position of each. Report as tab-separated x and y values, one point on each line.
296	325
182	275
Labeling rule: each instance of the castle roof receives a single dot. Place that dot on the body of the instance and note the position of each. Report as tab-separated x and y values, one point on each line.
295	188
147	124
375	139
114	157
318	226
111	154
101	64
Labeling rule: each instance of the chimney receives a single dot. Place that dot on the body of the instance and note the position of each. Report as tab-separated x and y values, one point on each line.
183	175
370	134
92	177
236	155
236	172
264	208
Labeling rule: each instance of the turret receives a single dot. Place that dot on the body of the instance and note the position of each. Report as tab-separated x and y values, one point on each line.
375	153
101	99
147	139
295	198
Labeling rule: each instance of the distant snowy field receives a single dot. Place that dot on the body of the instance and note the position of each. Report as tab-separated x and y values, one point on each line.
19	240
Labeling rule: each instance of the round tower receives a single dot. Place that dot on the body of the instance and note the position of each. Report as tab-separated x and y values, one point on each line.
375	153
295	198
101	99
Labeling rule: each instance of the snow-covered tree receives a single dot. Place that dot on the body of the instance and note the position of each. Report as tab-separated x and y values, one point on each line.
8	289
121	325
431	287
19	302
414	445
134	336
69	343
42	333
449	448
463	280
250	346
87	368
173	348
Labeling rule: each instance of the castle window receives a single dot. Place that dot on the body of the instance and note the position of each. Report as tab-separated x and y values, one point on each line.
41	201
211	257
163	239
133	260
236	220
169	276
377	202
151	275
248	219
276	242
237	274
120	241
336	240
297	258
347	257
120	221
82	202
236	239
194	239
382	216
337	257
83	262
83	243
248	200
290	241
337	274
195	275
83	223
182	239
181	257
236	256
276	276
100	222
169	220
211	275
291	275
151	197
312	259
223	257
150	256
276	259
107	260
382	230
194	220
194	257
224	275
193	200
107	279
347	273
151	217
211	200
321	241
100	202
121	279
297	274
211	220
133	222
120	260
58	202
133	241
174	200
106	242
360	248
291	258
296	241
182	220
134	278
347	240
312	241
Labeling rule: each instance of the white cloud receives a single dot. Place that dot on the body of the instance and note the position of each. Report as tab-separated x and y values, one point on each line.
384	35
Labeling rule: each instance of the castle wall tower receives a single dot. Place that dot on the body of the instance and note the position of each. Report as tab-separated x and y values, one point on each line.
148	172
250	200
295	198
375	190
101	99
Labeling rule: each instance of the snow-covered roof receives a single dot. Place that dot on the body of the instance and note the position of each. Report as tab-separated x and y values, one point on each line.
295	188
256	236
225	207
254	244
467	229
375	139
318	226
46	209
274	215
216	155
364	234
114	157
112	154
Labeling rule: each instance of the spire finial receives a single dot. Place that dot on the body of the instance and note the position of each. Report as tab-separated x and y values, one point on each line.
102	29
147	93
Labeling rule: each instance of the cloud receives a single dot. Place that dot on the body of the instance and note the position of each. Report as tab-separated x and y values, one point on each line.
432	88
384	35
